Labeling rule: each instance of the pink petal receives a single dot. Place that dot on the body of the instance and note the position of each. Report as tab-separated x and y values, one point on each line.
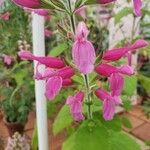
75	104
139	44
79	96
81	32
83	54
66	72
7	60
41	12
101	94
27	55
81	12
67	82
108	109
48	61
53	87
106	69
28	3
137	7
69	100
127	70
116	84
115	54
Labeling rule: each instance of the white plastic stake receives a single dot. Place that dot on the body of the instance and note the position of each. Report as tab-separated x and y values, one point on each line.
41	109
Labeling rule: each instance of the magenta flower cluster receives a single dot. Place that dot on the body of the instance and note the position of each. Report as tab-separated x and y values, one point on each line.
57	74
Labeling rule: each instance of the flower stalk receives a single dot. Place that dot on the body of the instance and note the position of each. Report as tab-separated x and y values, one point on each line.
86	81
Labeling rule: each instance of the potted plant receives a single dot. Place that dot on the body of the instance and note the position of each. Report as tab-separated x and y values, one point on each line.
16	96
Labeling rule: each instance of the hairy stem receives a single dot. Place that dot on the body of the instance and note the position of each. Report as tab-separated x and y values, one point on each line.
89	100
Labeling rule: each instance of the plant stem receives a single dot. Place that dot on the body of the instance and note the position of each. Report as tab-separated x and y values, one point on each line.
89	100
71	15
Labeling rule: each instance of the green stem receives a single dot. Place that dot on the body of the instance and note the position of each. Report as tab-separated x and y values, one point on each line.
89	100
71	15
13	94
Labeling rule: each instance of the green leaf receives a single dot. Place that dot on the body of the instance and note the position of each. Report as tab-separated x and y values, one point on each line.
147	142
121	141
78	79
58	50
130	85
90	2
126	102
145	81
126	122
63	120
91	135
34	142
122	13
114	124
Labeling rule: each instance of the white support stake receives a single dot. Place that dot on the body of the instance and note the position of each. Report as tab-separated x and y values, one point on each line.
41	108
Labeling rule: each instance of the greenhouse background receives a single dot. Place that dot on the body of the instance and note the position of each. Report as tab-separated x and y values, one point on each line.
74	75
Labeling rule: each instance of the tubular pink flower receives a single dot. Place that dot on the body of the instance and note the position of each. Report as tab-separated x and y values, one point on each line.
7	60
109	104
137	7
28	3
126	69
53	87
117	53
81	12
66	72
110	101
107	70
48	61
139	44
67	82
48	33
116	84
75	103
83	52
41	12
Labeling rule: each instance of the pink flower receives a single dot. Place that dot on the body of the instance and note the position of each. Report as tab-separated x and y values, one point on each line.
55	79
137	7
48	61
41	12
117	53
83	52
107	70
75	103
116	84
108	104
67	82
48	33
28	3
105	1
65	73
5	16
7	60
81	12
53	87
111	100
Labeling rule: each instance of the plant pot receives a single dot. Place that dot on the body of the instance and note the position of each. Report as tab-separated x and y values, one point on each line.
14	127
